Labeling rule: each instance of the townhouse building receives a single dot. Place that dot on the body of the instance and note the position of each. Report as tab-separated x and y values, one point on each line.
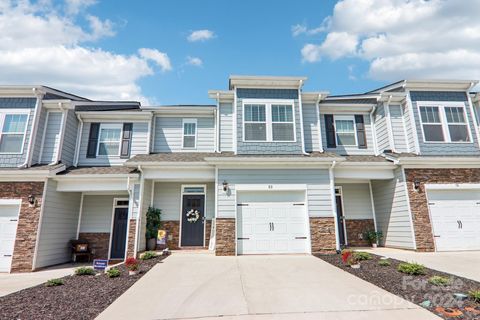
266	168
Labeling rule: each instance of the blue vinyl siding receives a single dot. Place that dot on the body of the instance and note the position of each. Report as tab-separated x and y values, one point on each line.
70	139
52	137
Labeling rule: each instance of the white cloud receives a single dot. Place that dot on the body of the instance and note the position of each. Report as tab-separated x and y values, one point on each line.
194	61
299	29
40	45
160	58
404	38
200	35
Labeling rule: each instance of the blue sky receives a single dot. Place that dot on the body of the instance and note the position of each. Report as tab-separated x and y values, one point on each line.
146	50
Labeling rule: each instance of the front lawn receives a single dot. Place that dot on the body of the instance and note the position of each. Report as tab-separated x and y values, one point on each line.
421	285
72	297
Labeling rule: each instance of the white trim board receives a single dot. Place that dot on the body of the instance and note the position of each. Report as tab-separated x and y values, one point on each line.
270	187
453	186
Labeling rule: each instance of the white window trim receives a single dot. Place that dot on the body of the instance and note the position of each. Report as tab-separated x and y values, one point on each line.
186	121
268	119
110	126
349	118
443	121
5	112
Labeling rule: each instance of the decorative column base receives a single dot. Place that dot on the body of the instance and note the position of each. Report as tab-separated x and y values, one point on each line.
225	237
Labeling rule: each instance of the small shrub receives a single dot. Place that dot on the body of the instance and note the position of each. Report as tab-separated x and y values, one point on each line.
113	273
148	255
132	264
54	282
373	236
360	255
84	271
384	263
474	295
348	257
439	281
412	268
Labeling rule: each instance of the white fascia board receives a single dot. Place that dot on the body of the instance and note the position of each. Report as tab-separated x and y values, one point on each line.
396	97
54	104
266	82
121	116
444	85
314	97
364	173
191	174
367	165
183	110
271	160
26	175
452	186
361	96
346	108
225	96
92	185
96	176
270	187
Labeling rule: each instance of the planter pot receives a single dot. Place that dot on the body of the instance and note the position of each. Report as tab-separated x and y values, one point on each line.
132	272
355	266
151	244
374	245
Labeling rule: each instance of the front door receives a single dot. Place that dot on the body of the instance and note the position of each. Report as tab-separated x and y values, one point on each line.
340	218
193	220
119	236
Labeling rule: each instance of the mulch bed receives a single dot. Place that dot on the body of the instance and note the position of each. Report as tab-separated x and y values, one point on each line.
81	297
415	289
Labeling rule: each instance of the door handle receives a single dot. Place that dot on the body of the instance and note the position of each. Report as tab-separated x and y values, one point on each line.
7	255
461	224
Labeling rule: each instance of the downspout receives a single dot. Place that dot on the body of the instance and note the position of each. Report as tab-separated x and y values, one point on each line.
300	109
391	138
334	204
319	123
139	212
33	131
62	133
217	127
79	140
374	131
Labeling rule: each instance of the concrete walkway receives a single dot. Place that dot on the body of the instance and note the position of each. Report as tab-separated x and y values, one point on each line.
202	286
463	263
13	282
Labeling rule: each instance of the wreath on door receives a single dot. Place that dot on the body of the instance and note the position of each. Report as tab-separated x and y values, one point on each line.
193	216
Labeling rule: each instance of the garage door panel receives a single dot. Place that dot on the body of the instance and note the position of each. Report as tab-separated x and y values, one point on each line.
8	229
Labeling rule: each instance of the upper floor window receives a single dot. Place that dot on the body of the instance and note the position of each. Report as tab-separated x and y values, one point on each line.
189	133
270	121
444	124
109	140
345	131
12	135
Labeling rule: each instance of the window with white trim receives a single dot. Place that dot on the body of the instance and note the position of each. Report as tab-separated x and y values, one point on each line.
444	124
109	139
189	133
345	131
12	134
268	122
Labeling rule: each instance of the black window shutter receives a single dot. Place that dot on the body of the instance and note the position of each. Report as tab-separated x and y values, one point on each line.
93	140
330	128
126	140
361	135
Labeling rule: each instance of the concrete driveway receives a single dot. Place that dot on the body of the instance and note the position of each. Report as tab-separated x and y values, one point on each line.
187	286
463	263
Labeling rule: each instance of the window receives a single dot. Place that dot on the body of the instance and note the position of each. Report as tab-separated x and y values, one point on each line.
269	121
444	124
109	140
345	131
194	189
282	123
12	135
189	133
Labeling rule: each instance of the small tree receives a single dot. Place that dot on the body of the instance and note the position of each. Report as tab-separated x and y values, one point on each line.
153	222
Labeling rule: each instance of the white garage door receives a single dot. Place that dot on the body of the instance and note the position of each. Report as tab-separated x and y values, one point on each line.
8	229
455	219
272	222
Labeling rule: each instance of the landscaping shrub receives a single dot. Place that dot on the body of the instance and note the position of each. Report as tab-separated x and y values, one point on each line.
384	263
84	271
54	282
474	295
412	268
113	273
359	255
148	255
132	264
348	257
439	281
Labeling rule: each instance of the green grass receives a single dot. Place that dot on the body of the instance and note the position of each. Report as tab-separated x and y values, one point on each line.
411	268
54	282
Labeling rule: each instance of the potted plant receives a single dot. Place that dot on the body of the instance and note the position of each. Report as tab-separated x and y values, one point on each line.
153	224
349	259
373	237
132	265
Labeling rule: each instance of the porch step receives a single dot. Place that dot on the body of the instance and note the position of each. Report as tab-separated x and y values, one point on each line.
197	250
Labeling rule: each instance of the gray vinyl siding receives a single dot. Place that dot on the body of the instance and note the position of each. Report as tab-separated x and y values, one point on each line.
146	200
409	129
393	211
169	134
398	129
38	141
350	150
51	139
381	129
226	127
357	203
15	160
97	213
167	197
139	146
70	139
319	196
310	127
59	226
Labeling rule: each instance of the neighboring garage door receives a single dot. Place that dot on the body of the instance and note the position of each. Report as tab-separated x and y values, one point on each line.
8	229
455	219
272	222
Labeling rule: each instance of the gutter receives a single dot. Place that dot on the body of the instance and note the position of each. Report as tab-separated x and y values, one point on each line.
319	123
33	131
300	106
79	140
62	133
217	127
374	133
334	204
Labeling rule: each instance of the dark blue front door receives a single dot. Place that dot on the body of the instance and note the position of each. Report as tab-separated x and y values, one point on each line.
192	231
119	236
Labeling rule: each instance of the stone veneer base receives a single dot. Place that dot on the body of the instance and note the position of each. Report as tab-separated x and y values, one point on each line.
356	229
322	234
225	237
132	230
98	241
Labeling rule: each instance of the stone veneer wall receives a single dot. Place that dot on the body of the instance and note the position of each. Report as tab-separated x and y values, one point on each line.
27	228
225	237
173	233
208	229
418	200
132	228
355	229
322	234
98	242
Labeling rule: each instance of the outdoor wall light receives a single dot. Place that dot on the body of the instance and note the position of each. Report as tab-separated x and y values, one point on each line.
416	185
225	186
31	199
